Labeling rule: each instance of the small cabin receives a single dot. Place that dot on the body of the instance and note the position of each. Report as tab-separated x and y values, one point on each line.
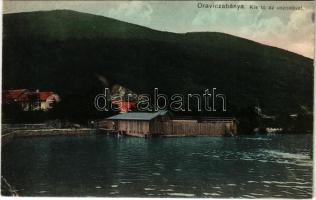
138	123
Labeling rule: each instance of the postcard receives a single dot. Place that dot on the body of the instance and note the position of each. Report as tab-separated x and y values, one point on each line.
200	99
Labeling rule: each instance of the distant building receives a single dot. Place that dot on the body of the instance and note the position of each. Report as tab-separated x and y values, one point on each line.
124	106
30	100
273	130
295	115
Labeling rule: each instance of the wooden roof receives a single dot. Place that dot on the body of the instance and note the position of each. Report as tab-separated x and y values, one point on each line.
144	116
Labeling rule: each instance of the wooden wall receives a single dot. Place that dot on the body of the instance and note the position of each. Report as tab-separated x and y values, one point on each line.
176	127
193	127
133	127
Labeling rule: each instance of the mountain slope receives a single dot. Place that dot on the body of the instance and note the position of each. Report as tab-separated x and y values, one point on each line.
67	51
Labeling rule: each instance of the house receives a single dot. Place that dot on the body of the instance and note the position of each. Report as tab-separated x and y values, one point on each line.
146	124
46	100
30	100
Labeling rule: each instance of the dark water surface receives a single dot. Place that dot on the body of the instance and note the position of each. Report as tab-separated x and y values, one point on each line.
263	166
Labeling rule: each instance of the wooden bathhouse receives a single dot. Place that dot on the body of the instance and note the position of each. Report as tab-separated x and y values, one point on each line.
163	123
137	123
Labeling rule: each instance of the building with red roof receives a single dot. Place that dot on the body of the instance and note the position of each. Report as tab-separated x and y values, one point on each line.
124	106
30	100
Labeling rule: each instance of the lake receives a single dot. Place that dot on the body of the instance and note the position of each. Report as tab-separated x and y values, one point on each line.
99	165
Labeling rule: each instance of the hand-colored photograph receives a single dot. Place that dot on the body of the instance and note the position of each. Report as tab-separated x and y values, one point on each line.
167	99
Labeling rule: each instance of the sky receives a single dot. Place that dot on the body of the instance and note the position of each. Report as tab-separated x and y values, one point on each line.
292	30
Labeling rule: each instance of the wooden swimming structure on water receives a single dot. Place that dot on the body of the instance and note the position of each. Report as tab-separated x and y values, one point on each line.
162	123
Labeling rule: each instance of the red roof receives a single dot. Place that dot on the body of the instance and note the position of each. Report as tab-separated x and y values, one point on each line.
44	95
124	106
24	95
13	95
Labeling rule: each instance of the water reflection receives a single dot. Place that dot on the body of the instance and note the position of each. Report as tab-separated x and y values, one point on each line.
278	166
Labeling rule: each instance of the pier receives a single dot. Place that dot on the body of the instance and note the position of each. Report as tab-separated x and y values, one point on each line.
9	132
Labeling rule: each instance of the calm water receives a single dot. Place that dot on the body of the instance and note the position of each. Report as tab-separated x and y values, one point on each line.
275	166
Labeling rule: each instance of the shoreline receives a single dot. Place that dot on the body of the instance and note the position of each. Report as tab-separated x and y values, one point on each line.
13	133
23	133
19	132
